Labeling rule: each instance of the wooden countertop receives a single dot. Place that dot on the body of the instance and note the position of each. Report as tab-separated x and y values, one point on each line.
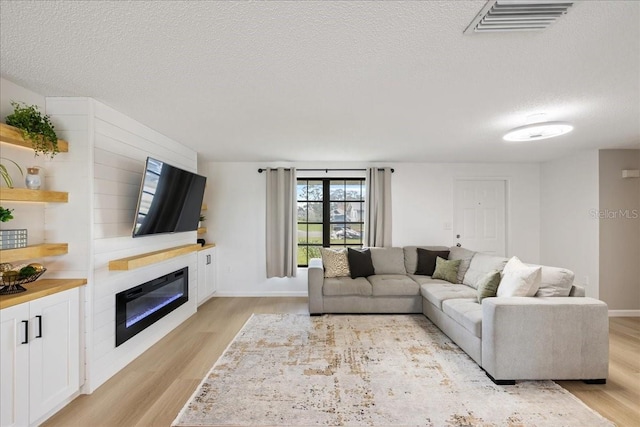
40	288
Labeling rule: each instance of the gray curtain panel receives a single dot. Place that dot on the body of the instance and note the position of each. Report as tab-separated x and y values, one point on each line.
378	205
282	253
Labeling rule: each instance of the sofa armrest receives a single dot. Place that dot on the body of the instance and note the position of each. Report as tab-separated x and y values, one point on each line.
315	283
557	338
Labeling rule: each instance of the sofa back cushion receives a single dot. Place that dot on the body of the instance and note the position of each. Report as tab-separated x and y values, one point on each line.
480	265
464	255
411	256
388	260
555	281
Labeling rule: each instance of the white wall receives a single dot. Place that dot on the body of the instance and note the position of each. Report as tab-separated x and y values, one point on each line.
619	221
569	231
422	203
108	153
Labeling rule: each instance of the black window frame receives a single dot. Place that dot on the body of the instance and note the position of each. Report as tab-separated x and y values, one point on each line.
329	226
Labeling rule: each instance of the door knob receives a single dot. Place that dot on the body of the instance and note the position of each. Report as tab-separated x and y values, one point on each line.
459	245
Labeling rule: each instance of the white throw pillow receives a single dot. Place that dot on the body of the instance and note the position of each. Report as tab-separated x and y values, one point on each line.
519	280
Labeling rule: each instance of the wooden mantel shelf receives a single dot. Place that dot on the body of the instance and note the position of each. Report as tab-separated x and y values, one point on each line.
35	251
148	258
40	288
13	135
26	195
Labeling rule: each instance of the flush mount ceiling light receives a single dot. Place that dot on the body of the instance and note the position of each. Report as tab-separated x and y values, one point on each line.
536	131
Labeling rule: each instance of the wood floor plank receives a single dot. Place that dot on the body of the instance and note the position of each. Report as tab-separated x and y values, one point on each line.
153	388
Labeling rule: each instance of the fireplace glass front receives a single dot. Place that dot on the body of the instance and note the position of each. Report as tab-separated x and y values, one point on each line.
141	306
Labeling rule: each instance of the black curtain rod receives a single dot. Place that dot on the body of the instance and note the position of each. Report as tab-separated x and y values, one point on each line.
326	170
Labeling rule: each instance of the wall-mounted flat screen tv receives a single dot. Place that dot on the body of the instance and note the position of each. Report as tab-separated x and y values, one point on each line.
170	200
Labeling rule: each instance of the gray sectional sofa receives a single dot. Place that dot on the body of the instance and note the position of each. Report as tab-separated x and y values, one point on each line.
557	334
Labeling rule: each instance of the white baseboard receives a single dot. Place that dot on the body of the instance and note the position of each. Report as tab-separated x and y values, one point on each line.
261	294
624	313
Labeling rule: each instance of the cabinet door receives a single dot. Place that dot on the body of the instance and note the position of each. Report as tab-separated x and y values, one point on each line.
14	366
206	274
54	353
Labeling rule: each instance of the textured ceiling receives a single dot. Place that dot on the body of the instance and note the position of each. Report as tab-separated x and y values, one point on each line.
310	81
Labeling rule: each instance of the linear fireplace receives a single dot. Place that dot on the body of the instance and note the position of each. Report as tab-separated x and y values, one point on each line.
141	306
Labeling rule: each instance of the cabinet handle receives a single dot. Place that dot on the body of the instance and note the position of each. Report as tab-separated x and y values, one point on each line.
208	259
39	326
26	332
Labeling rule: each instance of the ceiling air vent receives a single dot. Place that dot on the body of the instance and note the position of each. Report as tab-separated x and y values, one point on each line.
517	15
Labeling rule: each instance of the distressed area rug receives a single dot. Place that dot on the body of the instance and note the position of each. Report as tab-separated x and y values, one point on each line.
378	370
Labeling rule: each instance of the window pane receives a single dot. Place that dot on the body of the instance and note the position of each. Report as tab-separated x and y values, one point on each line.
301	190
353	234
302	255
302	233
315	233
337	212
336	190
302	211
354	191
314	191
355	212
314	252
337	233
315	211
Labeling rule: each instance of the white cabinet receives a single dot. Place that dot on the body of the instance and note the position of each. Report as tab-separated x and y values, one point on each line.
39	357
206	274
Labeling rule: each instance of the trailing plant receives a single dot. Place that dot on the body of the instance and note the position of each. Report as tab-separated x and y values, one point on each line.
6	176
202	218
35	127
5	214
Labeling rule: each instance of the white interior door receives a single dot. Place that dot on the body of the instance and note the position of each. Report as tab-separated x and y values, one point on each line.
480	215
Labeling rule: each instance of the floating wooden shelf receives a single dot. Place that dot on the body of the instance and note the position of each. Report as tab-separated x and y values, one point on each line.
40	288
202	230
207	246
148	258
35	251
26	195
204	207
13	135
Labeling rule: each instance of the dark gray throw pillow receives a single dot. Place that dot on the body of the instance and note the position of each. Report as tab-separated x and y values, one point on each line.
360	264
427	261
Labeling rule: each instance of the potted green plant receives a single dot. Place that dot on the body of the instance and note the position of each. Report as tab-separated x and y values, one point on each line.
6	176
202	218
35	127
5	214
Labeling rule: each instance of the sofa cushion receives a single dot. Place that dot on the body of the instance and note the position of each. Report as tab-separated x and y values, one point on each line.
393	285
435	293
480	265
411	256
446	269
488	285
388	260
466	312
360	264
427	260
421	280
343	286
519	280
335	262
554	281
465	256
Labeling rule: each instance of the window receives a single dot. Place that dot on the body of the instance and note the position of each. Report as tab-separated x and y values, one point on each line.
330	214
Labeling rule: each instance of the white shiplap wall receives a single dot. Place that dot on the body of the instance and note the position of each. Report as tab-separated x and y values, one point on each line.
108	180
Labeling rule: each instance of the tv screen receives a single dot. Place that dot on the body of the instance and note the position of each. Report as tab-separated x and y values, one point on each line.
170	200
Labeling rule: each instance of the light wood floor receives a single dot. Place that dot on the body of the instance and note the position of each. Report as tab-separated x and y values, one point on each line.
153	388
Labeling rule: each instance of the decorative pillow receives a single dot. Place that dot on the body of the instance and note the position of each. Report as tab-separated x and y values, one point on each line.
427	261
488	285
335	262
519	280
360	262
446	270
